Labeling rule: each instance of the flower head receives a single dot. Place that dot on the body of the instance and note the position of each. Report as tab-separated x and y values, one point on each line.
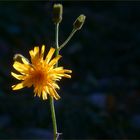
79	22
41	73
57	13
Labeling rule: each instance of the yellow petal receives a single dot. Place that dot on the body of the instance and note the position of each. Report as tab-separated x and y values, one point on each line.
55	86
57	69
54	61
37	91
55	77
20	58
49	55
42	51
34	54
61	71
18	86
63	75
20	67
35	94
25	60
67	76
31	52
44	95
36	51
67	71
53	93
17	76
46	89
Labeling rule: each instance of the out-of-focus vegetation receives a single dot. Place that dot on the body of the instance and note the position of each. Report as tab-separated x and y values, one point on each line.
102	99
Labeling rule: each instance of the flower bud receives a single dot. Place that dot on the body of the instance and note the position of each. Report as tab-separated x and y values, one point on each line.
57	13
79	22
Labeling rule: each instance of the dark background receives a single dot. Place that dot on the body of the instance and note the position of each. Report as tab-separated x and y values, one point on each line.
102	99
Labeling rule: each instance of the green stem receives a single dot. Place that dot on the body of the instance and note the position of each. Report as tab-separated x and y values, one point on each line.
56	134
68	39
53	119
56	40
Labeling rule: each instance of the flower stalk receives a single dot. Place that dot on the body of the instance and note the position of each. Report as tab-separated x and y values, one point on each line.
53	118
57	18
68	39
77	25
56	134
56	41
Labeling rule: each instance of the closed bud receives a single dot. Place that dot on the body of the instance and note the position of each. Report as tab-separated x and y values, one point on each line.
79	22
57	13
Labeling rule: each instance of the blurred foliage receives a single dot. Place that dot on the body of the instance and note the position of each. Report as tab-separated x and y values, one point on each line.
102	99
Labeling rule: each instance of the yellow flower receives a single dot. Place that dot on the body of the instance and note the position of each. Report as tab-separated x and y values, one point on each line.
41	73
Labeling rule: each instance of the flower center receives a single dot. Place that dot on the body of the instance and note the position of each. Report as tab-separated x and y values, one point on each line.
38	77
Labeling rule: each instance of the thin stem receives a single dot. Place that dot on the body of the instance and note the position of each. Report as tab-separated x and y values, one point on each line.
56	40
56	134
57	35
53	119
68	39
